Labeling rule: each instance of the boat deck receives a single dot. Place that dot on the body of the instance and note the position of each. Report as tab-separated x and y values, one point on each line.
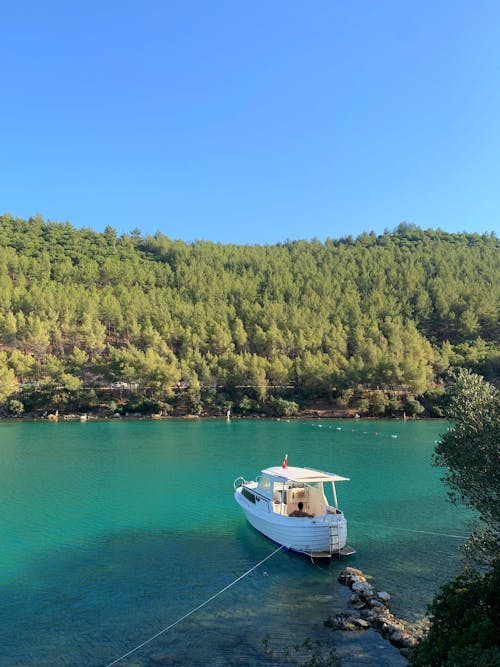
345	551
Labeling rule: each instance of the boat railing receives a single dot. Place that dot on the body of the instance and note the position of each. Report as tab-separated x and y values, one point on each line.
239	481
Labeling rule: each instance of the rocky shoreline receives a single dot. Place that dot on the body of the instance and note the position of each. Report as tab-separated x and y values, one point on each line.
372	611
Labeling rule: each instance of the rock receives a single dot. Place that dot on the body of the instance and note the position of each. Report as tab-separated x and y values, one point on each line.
406	652
363	589
392	628
376	604
385	597
342	621
374	612
396	637
350	574
356	602
381	616
409	641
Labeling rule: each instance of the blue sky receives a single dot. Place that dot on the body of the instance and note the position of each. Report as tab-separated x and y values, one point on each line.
252	121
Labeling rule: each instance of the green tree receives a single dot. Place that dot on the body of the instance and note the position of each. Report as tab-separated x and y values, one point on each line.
8	381
23	365
378	403
256	370
77	359
8	328
38	337
470	453
465	614
465	617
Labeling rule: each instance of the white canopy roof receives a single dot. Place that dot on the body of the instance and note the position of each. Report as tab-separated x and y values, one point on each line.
305	475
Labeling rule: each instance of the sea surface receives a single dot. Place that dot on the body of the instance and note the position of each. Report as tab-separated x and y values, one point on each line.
112	531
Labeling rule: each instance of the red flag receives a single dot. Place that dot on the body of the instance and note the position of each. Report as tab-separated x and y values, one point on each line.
285	461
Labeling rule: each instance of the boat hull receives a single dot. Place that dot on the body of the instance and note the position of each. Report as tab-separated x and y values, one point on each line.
321	536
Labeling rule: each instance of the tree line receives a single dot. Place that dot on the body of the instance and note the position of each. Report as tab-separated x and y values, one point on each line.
135	322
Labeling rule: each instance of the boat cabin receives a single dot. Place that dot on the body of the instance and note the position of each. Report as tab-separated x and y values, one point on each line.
286	487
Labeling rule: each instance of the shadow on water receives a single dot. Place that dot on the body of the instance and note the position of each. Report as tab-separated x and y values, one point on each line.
89	606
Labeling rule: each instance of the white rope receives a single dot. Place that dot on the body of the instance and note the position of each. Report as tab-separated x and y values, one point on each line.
125	655
408	530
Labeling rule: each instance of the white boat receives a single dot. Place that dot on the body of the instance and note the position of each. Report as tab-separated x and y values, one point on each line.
271	505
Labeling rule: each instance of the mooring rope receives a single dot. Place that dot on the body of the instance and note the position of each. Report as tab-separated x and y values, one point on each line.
408	530
189	613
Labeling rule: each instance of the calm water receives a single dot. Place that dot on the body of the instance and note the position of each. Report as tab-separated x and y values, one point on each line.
112	531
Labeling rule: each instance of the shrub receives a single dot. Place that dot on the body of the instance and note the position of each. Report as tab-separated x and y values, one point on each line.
246	405
435	402
15	408
344	398
279	407
362	405
378	403
412	406
465	615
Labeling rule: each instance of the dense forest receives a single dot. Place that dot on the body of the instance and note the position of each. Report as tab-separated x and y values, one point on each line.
377	325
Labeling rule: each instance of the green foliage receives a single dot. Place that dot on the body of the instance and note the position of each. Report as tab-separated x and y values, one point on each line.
15	407
143	406
8	382
412	406
397	313
435	400
344	398
246	405
470	453
394	404
362	405
378	403
465	614
465	617
279	407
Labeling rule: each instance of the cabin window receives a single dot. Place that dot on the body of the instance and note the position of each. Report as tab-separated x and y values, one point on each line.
248	495
265	485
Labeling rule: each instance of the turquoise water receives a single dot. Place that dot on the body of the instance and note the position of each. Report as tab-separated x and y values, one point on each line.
111	531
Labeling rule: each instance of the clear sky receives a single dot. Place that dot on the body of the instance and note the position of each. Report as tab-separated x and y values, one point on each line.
252	121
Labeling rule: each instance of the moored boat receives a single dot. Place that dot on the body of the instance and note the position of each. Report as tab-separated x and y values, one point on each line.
290	506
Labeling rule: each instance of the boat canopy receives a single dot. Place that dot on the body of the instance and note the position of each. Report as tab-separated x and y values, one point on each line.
304	475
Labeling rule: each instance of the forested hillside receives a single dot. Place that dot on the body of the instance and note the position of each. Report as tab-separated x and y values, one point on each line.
137	323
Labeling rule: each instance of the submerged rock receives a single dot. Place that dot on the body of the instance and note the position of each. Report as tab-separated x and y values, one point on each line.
345	621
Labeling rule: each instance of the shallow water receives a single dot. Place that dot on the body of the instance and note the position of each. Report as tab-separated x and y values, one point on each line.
111	531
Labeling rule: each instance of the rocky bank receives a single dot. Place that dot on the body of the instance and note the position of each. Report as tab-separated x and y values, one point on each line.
371	609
